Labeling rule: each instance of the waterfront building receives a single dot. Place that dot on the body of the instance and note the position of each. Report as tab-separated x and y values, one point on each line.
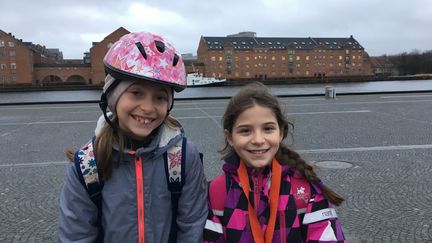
26	63
242	56
247	57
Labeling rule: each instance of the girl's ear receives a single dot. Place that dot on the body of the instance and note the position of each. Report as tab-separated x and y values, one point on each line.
228	137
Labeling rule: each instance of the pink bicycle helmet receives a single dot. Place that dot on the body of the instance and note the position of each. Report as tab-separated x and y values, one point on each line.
146	56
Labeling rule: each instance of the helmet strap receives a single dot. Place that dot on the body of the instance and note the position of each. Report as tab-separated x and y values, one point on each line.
172	101
103	104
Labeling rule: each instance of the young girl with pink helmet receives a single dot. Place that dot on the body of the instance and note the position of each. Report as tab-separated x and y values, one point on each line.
139	179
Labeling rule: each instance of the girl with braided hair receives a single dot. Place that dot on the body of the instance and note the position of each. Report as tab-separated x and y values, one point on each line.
268	192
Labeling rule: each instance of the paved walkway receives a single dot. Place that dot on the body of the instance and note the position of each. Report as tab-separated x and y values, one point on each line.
376	150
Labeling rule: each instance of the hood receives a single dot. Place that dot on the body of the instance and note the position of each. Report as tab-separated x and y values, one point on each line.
163	139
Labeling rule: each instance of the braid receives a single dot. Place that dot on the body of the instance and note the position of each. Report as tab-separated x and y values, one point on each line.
291	158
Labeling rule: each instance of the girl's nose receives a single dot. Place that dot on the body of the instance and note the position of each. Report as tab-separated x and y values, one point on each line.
147	104
258	138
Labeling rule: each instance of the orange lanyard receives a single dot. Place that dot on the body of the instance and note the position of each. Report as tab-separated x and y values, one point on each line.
140	198
274	199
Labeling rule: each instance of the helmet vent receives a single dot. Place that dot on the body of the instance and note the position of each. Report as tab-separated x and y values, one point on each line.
141	49
176	59
160	46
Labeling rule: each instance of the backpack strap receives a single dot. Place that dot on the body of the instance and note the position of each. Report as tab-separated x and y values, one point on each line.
218	189
175	175
301	190
85	164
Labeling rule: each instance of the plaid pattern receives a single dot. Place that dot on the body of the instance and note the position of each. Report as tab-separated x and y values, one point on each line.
230	222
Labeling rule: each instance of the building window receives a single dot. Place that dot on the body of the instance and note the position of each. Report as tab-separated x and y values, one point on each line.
1	53
298	58
273	58
4	78
347	51
220	58
247	58
14	78
340	57
1	43
12	65
236	74
307	58
11	53
247	74
283	58
307	73
213	58
2	66
11	44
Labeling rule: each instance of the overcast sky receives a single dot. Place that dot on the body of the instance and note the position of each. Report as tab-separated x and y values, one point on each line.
381	26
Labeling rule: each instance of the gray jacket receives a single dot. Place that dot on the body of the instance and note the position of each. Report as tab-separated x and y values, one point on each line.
78	214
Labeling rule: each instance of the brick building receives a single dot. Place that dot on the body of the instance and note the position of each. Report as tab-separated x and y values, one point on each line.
242	56
245	56
383	67
25	63
15	54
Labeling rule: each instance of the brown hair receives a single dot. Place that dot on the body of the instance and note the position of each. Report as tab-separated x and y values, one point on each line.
258	94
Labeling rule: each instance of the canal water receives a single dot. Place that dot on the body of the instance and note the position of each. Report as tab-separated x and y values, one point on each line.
9	98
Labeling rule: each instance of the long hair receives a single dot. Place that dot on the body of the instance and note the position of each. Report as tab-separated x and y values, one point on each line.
258	94
103	147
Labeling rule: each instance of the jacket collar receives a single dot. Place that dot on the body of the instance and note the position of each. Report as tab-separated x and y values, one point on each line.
232	162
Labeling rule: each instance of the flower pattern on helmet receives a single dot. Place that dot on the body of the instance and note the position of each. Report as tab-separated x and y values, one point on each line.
125	56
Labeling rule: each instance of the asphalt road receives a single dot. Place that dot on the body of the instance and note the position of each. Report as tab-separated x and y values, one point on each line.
376	150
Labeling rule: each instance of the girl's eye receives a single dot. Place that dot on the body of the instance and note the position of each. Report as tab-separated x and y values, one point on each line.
162	98
135	92
243	131
269	129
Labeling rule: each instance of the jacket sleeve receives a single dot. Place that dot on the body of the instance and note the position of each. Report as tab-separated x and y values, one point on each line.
192	208
78	214
213	230
320	222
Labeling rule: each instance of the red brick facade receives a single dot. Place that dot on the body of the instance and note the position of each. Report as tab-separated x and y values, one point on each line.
231	57
253	58
25	63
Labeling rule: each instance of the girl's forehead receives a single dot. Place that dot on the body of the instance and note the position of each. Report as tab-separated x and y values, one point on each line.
255	113
150	86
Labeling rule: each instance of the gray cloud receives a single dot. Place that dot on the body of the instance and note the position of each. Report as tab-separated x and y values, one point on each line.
382	27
